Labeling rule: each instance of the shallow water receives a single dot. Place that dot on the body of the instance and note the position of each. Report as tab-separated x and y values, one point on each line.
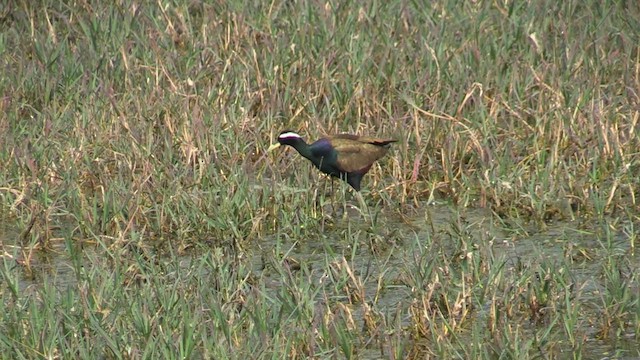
382	254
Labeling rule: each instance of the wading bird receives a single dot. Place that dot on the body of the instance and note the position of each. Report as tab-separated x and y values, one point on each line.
344	156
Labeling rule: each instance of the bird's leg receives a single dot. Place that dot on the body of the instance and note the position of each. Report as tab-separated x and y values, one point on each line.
316	203
321	196
345	208
320	204
364	209
344	191
333	198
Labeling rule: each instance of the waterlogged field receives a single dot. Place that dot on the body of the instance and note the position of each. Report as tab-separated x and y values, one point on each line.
141	217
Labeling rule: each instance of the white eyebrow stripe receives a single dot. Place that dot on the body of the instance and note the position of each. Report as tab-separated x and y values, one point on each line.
289	134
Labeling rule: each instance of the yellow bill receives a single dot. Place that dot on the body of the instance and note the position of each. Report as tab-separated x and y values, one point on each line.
273	147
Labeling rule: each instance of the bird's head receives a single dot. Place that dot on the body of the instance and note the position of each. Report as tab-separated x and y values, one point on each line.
286	138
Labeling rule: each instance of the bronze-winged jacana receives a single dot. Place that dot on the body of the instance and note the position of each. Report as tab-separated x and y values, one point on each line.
344	156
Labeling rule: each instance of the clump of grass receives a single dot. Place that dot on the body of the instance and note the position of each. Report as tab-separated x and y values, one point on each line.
512	116
133	149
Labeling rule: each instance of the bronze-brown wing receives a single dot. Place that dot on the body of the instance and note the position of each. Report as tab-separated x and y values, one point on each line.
356	155
361	139
376	141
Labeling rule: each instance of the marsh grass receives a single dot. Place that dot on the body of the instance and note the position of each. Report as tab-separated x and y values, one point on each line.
133	151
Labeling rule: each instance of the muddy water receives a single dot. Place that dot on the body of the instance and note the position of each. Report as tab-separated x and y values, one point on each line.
576	247
385	252
19	256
